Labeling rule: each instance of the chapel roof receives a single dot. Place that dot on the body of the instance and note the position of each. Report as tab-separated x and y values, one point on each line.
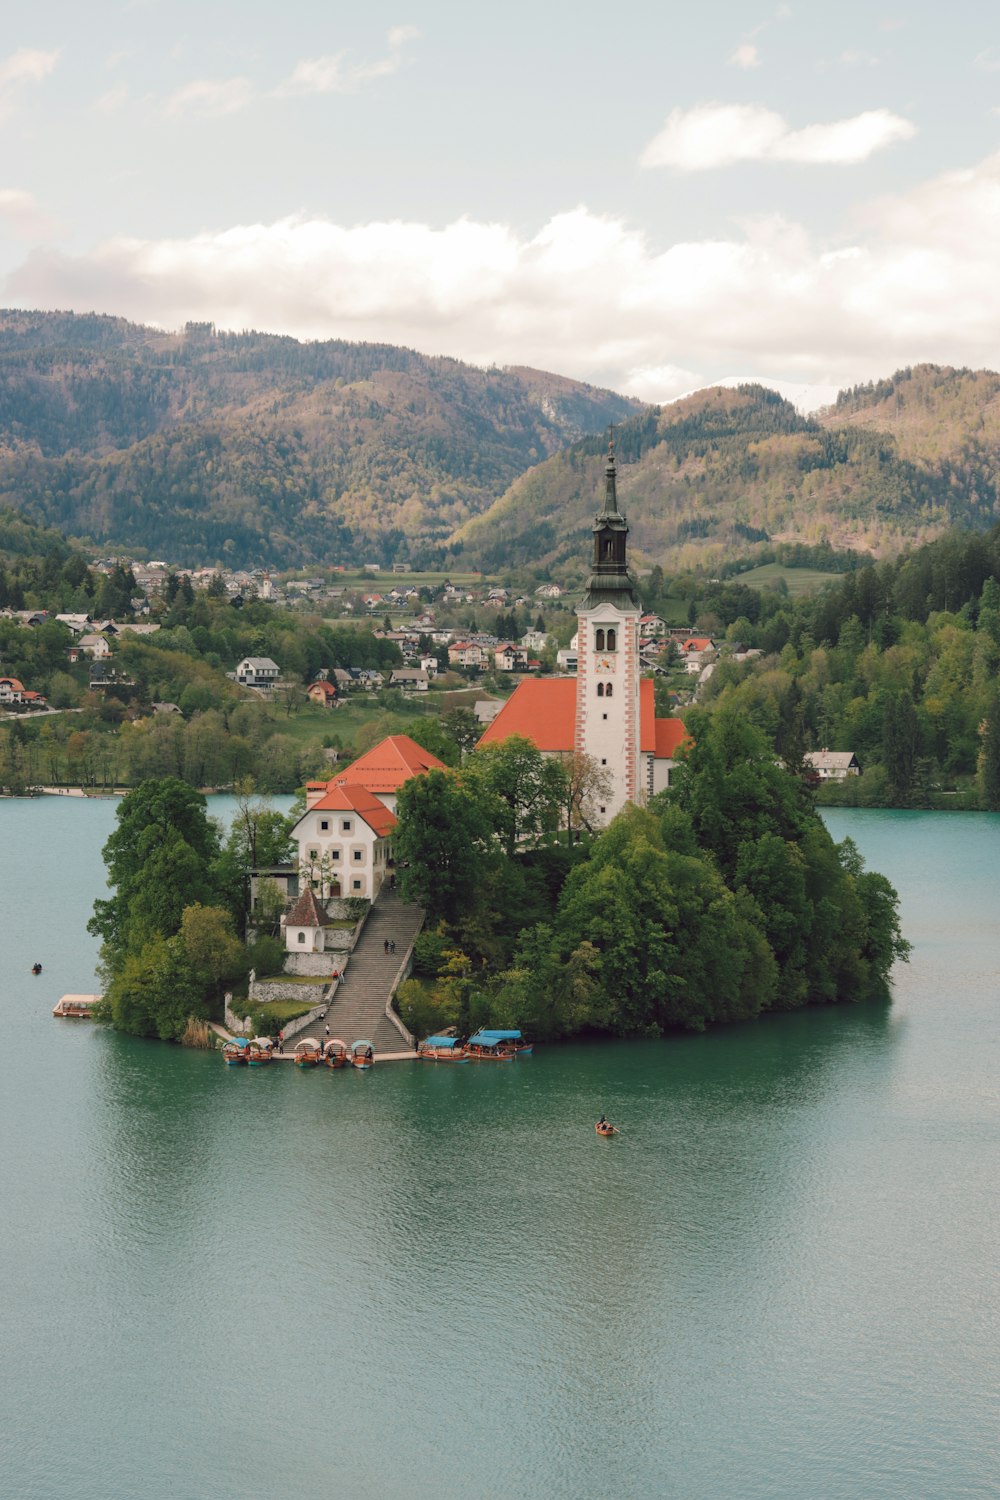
307	912
544	711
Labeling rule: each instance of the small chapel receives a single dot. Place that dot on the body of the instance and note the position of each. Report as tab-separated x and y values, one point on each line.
607	711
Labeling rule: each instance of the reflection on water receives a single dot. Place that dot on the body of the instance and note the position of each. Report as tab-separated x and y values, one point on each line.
437	1281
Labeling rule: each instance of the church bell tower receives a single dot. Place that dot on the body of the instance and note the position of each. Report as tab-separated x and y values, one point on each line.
607	682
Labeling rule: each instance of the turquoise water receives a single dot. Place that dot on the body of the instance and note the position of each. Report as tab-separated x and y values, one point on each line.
779	1282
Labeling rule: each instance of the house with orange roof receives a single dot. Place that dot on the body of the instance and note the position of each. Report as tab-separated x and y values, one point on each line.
607	711
322	692
344	843
345	834
383	769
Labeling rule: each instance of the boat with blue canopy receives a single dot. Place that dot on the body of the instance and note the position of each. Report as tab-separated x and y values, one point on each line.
442	1049
513	1040
484	1047
235	1051
362	1054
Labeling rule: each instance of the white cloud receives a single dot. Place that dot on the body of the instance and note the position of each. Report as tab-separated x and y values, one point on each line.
718	135
745	56
21	68
23	215
987	61
211	96
113	100
586	295
335	74
27	66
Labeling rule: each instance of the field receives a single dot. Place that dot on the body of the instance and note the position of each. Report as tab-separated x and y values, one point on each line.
800	581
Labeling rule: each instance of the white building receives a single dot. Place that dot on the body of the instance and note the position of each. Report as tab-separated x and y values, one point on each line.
344	842
257	672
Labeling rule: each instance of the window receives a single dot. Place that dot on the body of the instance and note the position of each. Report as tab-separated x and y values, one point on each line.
314	854
359	854
603	761
604	716
324	824
301	937
612	641
603	809
334	853
599	640
356	885
600	690
346	825
607	690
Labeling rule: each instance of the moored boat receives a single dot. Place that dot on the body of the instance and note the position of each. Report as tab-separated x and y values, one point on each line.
259	1052
512	1041
335	1053
362	1054
485	1047
76	1007
442	1049
235	1051
307	1052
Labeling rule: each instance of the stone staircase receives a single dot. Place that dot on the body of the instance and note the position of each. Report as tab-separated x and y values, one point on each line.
358	1009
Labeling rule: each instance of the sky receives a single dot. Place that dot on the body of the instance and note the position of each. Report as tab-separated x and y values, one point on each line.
647	196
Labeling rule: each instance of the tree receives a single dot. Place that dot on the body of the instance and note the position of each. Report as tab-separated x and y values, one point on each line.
989	757
158	860
588	786
212	948
523	790
900	743
441	843
155	991
462	726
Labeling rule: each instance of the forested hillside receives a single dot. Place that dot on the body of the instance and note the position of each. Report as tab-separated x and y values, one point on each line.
250	447
724	470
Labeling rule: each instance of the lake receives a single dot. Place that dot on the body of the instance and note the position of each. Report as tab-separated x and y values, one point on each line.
779	1283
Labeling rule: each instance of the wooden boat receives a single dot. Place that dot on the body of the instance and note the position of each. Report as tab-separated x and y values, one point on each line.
606	1129
307	1053
485	1047
235	1051
75	1007
441	1049
36	968
362	1054
335	1053
511	1041
259	1052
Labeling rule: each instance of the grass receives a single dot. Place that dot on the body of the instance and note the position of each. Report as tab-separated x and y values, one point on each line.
800	581
313	979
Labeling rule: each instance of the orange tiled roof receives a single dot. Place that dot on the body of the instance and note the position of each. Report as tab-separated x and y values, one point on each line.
545	713
355	798
670	735
385	767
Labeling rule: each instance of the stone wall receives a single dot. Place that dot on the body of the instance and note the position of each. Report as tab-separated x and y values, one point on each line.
322	964
274	989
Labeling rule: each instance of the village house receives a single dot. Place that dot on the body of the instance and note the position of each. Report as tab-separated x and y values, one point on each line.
95	646
322	692
465	654
510	658
13	694
832	765
410	679
258	672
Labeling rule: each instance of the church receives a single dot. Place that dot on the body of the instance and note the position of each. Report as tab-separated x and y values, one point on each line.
606	712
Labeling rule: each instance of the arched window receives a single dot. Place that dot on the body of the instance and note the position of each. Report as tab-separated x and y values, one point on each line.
599	640
600	690
611	640
608	547
607	690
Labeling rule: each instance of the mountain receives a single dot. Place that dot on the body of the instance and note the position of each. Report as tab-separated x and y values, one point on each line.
252	447
890	464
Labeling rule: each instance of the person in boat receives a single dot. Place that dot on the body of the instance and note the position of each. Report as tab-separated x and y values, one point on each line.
602	1122
36	968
